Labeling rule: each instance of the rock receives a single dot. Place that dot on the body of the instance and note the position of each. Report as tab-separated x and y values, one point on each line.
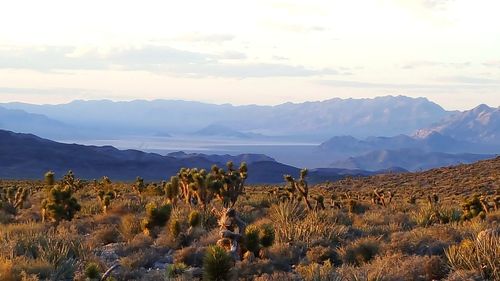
194	272
160	265
108	253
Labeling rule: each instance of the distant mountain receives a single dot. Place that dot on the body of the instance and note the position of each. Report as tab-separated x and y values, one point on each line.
431	142
478	125
409	159
248	158
381	116
216	130
22	121
26	156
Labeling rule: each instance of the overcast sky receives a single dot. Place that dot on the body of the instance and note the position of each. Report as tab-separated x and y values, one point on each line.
250	52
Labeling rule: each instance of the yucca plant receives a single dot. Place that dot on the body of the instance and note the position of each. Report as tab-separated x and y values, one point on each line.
216	264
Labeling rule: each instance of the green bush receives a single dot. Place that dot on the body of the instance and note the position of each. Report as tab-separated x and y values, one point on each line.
266	235
216	264
92	271
252	242
60	204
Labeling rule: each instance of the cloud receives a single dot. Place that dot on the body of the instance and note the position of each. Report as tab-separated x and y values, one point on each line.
51	91
443	84
45	59
295	28
156	59
436	4
492	64
423	64
207	38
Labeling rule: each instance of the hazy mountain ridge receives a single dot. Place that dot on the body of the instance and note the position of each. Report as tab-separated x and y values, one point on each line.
384	116
480	124
432	142
410	159
26	156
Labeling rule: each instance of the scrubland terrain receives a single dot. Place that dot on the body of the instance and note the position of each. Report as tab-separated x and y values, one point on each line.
440	224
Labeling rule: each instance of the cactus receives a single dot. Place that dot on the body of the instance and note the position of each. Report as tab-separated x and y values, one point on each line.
59	204
216	264
299	188
139	185
172	189
156	216
194	219
320	202
12	199
476	206
70	180
105	197
175	228
266	235
50	178
252	241
199	187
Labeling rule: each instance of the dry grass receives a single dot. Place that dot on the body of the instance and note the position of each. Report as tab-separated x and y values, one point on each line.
402	241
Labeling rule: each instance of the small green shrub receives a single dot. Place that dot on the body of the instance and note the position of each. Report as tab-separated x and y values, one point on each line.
252	242
92	271
194	219
216	264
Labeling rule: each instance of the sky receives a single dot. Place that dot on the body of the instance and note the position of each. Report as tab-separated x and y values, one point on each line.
250	52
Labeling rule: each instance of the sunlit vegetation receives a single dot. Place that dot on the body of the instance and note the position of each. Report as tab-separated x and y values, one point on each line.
441	224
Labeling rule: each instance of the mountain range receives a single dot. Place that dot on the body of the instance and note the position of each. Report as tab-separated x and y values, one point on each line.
26	156
381	116
368	134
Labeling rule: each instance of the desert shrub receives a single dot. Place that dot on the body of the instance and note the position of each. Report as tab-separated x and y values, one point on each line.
278	276
194	219
140	258
103	236
176	269
284	255
129	226
252	242
480	255
216	264
320	254
156	216
314	272
392	268
92	271
292	223
360	251
428	215
192	256
423	241
35	250
266	235
248	269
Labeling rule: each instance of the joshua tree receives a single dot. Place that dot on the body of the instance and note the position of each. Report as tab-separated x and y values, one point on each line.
106	197
199	187
299	186
50	178
12	198
60	204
